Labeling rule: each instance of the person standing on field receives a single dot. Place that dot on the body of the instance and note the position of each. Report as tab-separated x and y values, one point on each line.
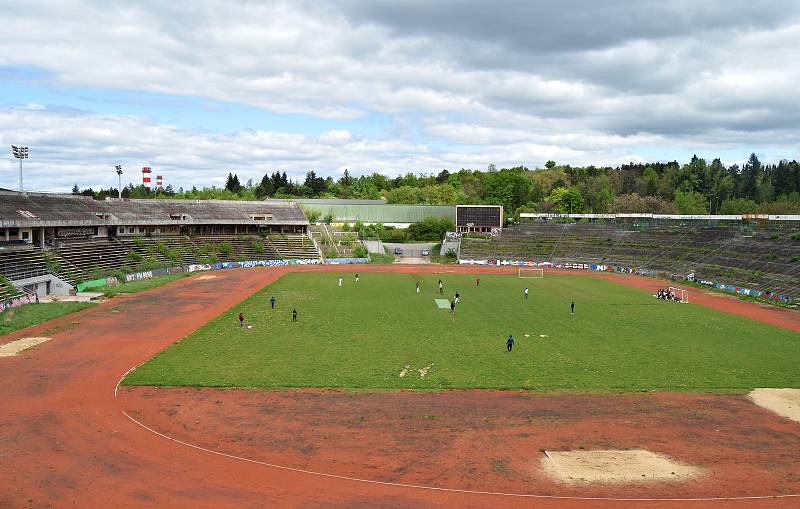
441	286
294	314
510	342
272	302
458	298
356	277
526	293
417	286
477	281
453	308
241	320
340	280
572	308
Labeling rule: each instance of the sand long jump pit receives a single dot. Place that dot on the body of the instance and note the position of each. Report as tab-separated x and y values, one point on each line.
615	466
784	402
14	347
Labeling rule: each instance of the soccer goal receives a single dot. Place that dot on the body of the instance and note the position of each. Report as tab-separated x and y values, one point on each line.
528	272
683	295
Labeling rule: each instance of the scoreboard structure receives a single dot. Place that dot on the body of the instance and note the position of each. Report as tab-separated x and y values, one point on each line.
479	218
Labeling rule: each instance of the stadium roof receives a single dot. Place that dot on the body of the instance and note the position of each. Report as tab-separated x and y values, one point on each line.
40	209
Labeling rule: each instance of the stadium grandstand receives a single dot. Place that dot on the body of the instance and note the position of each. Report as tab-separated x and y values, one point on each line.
50	242
755	251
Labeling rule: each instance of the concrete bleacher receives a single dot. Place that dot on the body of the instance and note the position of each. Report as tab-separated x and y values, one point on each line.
78	238
166	251
221	248
231	248
22	263
81	260
297	246
767	260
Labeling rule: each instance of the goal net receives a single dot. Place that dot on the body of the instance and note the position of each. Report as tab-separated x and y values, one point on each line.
681	294
527	272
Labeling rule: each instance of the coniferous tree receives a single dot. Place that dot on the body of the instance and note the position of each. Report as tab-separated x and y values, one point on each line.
750	175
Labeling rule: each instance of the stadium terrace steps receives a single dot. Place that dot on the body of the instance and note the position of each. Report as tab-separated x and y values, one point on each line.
80	260
766	260
21	263
230	248
294	246
8	291
164	250
83	260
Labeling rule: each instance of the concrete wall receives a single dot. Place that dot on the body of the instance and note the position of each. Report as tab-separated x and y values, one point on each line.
40	284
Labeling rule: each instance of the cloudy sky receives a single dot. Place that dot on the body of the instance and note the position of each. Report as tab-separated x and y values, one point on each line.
197	89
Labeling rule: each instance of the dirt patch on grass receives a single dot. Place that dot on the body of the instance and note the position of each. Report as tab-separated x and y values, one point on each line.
784	402
615	466
13	348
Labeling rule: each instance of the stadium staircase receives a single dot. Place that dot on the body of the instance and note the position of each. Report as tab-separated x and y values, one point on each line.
767	260
294	245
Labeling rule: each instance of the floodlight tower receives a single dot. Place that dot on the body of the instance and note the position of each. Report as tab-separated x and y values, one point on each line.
20	152
119	174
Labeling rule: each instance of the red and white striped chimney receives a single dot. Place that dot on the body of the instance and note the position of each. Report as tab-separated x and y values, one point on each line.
159	182
146	171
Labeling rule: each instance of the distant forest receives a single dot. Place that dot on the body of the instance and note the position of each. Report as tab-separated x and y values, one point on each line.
697	187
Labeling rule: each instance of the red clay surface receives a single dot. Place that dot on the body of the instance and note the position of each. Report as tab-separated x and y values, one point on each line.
64	440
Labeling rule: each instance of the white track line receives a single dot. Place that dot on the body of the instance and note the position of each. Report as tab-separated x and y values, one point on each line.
434	488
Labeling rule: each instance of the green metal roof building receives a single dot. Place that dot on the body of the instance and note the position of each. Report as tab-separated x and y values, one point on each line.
378	213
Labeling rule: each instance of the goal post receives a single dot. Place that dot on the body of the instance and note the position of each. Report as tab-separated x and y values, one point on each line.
682	294
530	272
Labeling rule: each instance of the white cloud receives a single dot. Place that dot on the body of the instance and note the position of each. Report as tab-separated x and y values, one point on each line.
584	82
335	137
68	148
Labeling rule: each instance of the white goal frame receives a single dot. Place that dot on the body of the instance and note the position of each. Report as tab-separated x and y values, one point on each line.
680	292
531	273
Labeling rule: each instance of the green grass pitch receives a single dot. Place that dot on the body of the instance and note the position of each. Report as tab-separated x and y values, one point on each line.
381	334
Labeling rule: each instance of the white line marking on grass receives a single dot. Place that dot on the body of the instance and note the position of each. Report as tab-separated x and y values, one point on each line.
116	387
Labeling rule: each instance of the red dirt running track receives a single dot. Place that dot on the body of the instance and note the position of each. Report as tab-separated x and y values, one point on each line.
65	442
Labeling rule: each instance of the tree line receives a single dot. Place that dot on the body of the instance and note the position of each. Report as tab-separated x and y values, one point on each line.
696	187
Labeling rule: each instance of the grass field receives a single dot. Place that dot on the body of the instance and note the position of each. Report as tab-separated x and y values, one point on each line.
31	314
368	335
